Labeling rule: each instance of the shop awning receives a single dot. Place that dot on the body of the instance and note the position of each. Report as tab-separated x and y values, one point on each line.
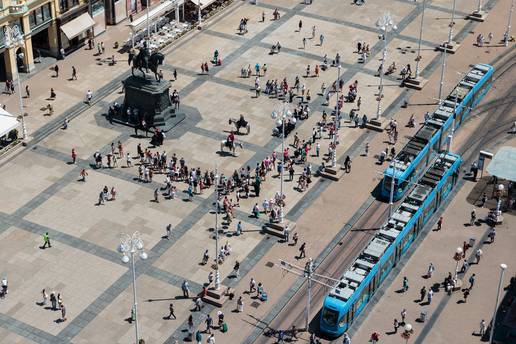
8	122
157	11
503	164
204	3
78	25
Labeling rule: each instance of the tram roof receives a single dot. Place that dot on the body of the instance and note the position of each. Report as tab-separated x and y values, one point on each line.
503	164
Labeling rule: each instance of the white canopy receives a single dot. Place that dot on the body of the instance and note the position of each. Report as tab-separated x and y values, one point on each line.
8	122
157	11
78	25
503	164
204	3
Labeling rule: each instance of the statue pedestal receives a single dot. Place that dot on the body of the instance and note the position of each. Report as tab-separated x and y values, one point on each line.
151	99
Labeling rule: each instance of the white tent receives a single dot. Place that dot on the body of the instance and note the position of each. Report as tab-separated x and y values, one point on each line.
8	122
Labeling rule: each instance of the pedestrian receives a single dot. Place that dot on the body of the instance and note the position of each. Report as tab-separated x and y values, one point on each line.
74	156
83	174
63	313
236	269
198	304
359	102
483	327
396	324
169	230
471	281
5	287
52	96
321	40
252	285
46	240
484	200
472	218
492	234
27	91
198	336
56	71
295	238
405	283
45	297
185	288
466	294
403	316
431	269
302	250
156	195
375	337
211	339
286	234
74	73
440	223
175	74
300	25
478	255
240	304
313	31
263	17
346	339
171	311
430	296
53	300
304	43
209	323
422	293
293	333
89	96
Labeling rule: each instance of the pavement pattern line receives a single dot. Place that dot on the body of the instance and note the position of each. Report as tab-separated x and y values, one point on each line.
28	331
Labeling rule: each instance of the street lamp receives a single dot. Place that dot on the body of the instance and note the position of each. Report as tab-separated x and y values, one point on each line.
129	246
199	14
337	114
14	39
503	267
285	114
449	44
507	34
385	24
217	272
418	58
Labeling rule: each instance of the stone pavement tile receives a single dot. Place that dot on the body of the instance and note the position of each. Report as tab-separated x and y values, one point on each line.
78	276
435	28
229	24
19	183
288	37
279	3
11	337
463	6
184	257
73	211
200	50
208	99
110	325
364	15
83	134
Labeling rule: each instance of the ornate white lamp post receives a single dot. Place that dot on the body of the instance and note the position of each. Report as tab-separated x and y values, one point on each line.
129	246
14	39
503	267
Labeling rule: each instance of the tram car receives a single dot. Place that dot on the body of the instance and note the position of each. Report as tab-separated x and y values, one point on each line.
432	138
359	283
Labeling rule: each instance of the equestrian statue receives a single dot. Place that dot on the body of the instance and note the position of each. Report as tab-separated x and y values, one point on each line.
147	60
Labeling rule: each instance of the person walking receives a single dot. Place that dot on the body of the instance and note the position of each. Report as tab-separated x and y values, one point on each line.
483	200
169	231
431	269
209	323
396	324
186	289
465	295
74	73
27	91
89	96
74	156
478	255
302	251
240	305
346	339
198	337
422	294
430	296
156	195
236	269
471	281
56	71
473	217
375	337
53	300
45	297
300	25
304	43
403	316
405	283
46	240
321	40
63	312
440	223
171	311
483	328
252	285
198	304
491	235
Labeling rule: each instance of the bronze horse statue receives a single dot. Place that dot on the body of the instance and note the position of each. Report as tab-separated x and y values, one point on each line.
146	60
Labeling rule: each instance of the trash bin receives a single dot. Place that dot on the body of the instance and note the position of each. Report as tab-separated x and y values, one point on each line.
471	242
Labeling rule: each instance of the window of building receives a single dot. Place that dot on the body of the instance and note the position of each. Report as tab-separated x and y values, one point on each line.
97	7
39	16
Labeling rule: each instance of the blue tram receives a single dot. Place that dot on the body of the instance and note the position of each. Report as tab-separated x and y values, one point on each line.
432	137
358	284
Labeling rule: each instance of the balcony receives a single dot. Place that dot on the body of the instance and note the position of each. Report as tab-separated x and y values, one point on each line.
18	8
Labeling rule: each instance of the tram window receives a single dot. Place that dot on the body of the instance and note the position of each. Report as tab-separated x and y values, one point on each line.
330	316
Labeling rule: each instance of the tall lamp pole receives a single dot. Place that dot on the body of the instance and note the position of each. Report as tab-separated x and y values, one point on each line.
503	267
385	23
217	271
418	58
129	246
285	114
337	114
507	34
452	24
199	14
393	186
14	39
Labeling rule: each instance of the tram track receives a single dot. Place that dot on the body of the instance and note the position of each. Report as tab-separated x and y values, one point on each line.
359	233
